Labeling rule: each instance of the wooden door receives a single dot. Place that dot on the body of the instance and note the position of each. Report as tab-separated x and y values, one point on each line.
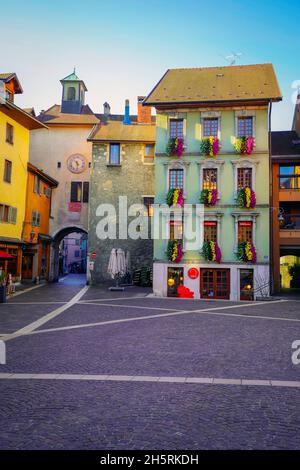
215	283
27	265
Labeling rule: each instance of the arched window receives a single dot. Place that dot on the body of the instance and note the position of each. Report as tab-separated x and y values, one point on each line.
71	93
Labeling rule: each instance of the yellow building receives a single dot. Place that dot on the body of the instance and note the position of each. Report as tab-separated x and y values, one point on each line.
15	126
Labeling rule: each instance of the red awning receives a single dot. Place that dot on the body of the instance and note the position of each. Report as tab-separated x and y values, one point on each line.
5	255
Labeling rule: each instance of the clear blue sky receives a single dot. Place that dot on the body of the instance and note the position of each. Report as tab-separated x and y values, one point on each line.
121	48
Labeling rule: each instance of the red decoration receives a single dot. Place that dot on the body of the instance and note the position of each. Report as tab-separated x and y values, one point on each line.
185	293
93	255
193	273
74	206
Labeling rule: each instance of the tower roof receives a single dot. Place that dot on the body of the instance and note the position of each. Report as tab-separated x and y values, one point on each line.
73	78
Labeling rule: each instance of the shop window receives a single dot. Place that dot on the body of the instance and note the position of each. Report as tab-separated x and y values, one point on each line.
175	279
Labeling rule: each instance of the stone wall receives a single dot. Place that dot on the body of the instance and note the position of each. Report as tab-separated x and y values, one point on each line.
134	179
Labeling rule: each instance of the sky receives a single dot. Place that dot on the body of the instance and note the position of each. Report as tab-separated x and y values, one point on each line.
121	48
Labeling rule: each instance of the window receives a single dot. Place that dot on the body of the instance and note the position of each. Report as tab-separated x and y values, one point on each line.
77	253
9	133
76	191
35	219
176	230
79	191
245	126
71	94
176	178
176	128
7	171
37	185
245	232
58	164
148	203
210	231
289	177
244	178
149	153
114	154
8	214
209	178
210	127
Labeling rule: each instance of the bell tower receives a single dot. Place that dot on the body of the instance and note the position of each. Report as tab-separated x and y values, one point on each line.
73	94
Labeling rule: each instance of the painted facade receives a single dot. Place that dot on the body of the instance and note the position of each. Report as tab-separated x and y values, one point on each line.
15	126
64	153
122	165
36	255
206	104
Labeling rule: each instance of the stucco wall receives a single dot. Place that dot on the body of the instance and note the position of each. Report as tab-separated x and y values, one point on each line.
133	179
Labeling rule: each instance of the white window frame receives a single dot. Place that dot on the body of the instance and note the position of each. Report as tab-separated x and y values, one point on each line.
244	163
211	164
244	217
207	115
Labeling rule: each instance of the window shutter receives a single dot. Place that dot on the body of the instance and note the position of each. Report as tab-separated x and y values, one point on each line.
38	217
13	215
74	191
85	196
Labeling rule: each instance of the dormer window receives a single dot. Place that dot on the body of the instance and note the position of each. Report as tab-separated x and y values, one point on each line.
71	93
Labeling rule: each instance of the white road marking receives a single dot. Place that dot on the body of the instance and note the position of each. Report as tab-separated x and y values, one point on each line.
115	298
207	311
33	303
25	291
36	324
82	302
157	379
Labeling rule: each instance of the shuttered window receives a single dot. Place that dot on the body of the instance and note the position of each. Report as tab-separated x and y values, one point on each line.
8	214
79	191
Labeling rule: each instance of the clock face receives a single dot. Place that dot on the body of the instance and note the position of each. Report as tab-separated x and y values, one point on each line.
76	163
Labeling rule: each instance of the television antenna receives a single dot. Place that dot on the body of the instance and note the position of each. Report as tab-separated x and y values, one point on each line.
232	58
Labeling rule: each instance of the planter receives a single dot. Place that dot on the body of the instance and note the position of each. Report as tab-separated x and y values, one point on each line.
2	294
208	197
175	147
175	197
244	145
210	146
246	198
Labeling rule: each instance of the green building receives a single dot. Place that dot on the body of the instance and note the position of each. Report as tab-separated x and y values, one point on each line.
212	148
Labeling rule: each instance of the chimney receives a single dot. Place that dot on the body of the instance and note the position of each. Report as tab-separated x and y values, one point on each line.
106	109
144	112
126	119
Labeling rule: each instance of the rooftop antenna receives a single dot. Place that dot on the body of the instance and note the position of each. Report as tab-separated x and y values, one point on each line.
232	58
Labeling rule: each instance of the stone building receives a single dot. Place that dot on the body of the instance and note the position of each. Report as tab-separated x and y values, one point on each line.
122	165
63	152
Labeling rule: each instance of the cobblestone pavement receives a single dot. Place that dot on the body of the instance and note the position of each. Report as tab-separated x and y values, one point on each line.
132	334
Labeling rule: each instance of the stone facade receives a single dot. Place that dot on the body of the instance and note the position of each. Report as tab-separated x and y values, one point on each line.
132	178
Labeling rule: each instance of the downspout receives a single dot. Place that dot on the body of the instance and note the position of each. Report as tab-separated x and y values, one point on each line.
270	204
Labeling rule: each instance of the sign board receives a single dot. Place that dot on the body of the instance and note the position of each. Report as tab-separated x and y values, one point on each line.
193	273
74	206
93	255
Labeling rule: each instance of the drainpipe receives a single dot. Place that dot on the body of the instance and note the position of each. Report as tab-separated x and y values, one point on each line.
270	203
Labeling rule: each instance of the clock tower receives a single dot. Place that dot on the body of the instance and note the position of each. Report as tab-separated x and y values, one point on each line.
73	94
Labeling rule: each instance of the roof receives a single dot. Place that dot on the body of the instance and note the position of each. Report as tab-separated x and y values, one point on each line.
8	76
34	169
216	84
19	115
116	131
285	143
73	78
30	111
53	115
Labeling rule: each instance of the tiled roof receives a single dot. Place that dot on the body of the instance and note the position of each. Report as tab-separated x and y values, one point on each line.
54	116
216	84
8	76
116	131
285	143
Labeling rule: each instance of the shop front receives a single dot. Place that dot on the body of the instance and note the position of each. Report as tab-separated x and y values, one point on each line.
13	265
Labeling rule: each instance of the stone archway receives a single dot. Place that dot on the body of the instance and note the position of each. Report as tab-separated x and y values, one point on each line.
56	239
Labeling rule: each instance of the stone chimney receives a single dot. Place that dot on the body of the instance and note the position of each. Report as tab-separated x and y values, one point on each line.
106	109
144	112
126	119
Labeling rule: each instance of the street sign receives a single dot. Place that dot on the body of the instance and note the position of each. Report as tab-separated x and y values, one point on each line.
93	255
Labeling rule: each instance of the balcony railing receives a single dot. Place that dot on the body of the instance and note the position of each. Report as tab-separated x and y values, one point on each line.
289	182
290	222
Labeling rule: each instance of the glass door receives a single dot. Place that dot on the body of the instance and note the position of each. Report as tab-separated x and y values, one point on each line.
246	284
175	279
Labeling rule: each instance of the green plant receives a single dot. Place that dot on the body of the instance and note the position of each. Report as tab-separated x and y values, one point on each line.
2	278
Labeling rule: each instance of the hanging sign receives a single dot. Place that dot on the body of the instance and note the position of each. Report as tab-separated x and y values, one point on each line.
193	273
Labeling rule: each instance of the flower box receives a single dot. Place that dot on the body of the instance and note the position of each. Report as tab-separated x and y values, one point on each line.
175	147
175	197
244	145
175	251
246	252
246	197
209	197
210	146
211	251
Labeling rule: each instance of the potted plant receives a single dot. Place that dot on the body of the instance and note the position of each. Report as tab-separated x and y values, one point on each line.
175	197
208	197
210	146
211	251
175	147
2	287
244	145
175	251
246	198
